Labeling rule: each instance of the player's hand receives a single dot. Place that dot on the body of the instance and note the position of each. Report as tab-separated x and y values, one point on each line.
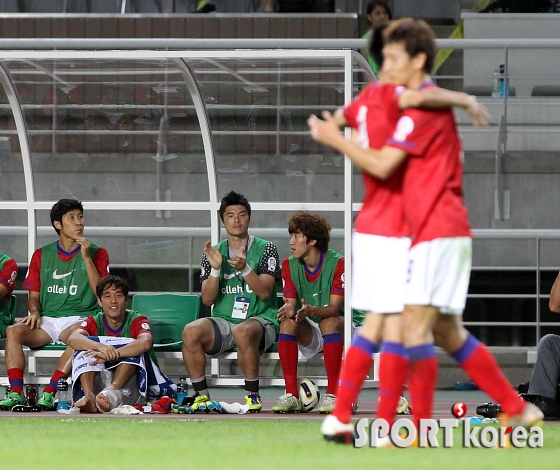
213	255
478	113
304	312
103	353
286	312
33	320
238	262
84	247
325	131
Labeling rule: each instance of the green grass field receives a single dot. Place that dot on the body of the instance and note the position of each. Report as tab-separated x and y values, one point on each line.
77	443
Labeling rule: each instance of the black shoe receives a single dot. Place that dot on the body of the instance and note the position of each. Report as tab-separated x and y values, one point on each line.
548	406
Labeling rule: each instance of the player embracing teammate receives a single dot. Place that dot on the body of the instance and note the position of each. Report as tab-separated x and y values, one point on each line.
423	154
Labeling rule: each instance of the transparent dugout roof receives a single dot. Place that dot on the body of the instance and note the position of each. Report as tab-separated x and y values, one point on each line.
150	141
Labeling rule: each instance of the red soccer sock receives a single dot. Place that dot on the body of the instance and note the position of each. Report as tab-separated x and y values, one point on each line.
355	367
477	361
422	372
15	376
332	354
288	351
51	387
392	376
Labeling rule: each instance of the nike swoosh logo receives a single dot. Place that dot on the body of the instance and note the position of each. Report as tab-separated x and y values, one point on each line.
61	276
228	276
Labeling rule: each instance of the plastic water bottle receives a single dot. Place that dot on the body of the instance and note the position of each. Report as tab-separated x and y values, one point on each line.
182	390
496	84
62	392
504	81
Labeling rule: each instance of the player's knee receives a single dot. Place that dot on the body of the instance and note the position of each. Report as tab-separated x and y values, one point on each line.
16	332
288	326
192	334
247	334
329	325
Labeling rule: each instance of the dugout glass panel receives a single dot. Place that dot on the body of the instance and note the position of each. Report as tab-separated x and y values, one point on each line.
12	182
111	130
258	110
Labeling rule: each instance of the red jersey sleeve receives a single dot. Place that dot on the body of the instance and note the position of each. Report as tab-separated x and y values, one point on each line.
32	280
139	326
289	288
8	277
101	261
89	326
337	287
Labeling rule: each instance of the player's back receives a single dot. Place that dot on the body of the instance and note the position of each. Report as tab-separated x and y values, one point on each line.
432	189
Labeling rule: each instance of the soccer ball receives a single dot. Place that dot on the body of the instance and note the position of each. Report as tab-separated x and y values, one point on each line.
308	394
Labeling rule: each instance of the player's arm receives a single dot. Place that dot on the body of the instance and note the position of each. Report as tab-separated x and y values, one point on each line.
140	345
554	302
332	310
379	163
91	269
260	284
79	341
435	97
340	118
34	308
212	262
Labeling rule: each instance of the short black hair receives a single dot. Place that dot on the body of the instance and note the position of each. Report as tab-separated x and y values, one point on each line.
111	281
375	45
62	207
234	199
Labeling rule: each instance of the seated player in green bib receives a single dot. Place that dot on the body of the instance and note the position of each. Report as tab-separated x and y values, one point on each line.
310	319
61	281
8	274
238	279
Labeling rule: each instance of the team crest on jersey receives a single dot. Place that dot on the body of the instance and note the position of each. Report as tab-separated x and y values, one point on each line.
145	326
404	127
12	278
83	324
272	264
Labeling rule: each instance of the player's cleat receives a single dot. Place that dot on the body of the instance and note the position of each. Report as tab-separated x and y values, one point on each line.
530	416
403	407
335	431
10	400
287	403
46	401
326	404
254	401
203	403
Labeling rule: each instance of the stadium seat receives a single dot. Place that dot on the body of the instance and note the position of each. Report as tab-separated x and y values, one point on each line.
168	315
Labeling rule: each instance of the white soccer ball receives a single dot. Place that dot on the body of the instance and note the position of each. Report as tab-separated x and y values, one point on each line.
308	394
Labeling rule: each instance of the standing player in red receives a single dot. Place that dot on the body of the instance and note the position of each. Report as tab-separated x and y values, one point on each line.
381	240
440	255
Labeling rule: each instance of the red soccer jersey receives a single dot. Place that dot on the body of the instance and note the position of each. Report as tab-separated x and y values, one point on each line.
433	193
138	326
32	280
374	114
290	291
8	277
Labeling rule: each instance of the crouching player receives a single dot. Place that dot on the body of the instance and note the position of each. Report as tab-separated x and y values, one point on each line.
126	358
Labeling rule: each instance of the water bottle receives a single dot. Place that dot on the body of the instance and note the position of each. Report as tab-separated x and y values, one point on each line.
31	392
182	390
62	392
504	81
496	84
